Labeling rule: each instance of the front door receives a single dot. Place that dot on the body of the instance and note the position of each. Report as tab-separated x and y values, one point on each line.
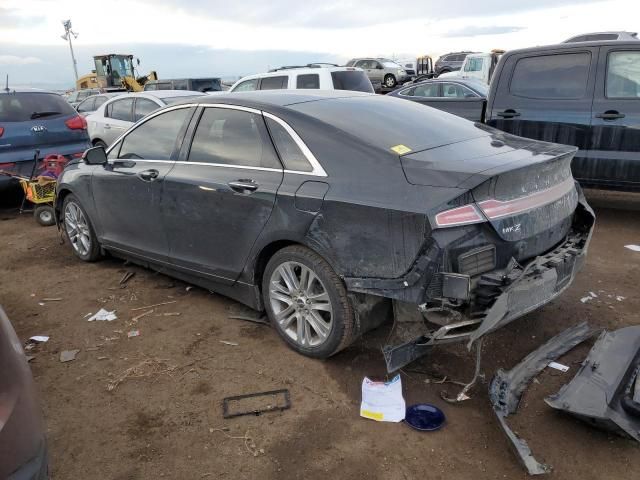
547	97
614	156
129	188
219	197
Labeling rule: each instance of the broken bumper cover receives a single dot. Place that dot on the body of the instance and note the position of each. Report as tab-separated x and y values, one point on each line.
538	283
606	390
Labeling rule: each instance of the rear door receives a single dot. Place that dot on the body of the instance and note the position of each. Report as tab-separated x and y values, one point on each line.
221	193
547	95
614	156
128	190
118	117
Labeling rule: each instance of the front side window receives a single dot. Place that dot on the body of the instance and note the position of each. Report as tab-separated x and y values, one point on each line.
87	105
121	109
232	137
274	83
311	80
290	154
452	90
562	76
143	107
623	75
247	86
427	90
156	138
99	102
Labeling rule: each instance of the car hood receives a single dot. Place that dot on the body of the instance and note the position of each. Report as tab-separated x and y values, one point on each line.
470	162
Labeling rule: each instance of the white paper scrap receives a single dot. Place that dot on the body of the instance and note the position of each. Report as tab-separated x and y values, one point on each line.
559	366
586	299
635	248
39	338
383	401
103	315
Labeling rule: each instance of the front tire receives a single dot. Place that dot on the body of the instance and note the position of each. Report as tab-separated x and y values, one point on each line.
79	231
100	143
44	215
390	81
307	303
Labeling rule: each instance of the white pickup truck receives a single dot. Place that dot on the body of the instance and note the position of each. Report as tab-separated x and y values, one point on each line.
477	65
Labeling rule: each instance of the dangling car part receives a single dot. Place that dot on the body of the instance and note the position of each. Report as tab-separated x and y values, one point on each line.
606	390
506	387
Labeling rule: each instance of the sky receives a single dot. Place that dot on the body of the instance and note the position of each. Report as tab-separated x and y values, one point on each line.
199	38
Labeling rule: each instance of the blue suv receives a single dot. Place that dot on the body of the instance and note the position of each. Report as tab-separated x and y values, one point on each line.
36	119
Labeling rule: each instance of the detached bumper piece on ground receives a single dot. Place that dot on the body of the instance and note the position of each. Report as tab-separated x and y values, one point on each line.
605	392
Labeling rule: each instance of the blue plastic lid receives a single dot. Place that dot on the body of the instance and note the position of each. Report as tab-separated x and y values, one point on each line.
424	417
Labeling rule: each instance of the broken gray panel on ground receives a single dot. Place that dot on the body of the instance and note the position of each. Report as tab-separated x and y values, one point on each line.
506	387
603	392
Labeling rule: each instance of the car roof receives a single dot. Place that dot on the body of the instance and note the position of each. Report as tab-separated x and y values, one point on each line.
26	90
576	45
472	83
277	98
299	70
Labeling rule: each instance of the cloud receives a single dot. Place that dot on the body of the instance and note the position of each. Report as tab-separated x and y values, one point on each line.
15	60
476	31
337	14
11	18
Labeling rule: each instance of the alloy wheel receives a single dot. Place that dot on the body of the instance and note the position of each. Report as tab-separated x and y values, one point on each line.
77	229
301	304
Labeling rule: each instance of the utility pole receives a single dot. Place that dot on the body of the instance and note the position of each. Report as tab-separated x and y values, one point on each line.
68	33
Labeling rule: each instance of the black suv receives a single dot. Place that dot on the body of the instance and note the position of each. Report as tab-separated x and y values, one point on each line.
584	94
450	62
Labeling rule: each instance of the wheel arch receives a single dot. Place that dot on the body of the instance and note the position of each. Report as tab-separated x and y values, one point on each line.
57	207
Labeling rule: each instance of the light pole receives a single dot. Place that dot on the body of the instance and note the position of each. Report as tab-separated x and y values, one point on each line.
68	33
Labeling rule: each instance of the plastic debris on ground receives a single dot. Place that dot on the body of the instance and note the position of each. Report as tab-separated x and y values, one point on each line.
635	248
103	315
68	355
383	401
133	333
39	338
559	366
233	344
424	417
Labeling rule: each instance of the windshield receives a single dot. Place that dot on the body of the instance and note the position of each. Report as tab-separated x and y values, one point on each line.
121	66
22	107
181	98
354	80
473	64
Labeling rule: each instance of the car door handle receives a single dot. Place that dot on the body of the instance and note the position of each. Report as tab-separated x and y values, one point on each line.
148	175
610	115
243	186
508	114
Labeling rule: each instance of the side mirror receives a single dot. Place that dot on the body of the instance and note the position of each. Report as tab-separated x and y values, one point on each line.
95	156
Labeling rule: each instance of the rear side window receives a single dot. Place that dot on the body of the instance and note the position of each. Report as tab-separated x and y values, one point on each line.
232	137
121	109
290	154
274	83
22	107
452	90
99	102
623	75
562	76
428	90
354	80
143	107
311	80
156	138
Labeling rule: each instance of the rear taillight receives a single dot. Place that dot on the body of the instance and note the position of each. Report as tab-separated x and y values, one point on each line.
1	131
464	215
76	123
78	155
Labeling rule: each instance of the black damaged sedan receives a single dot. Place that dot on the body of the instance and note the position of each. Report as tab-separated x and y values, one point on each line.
333	211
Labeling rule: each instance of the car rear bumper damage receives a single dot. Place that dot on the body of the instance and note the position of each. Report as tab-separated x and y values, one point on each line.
425	315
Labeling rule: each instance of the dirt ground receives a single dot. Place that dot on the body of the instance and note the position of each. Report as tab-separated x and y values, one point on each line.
149	407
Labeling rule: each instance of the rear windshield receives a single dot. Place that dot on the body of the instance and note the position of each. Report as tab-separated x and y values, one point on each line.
182	98
392	124
22	107
351	80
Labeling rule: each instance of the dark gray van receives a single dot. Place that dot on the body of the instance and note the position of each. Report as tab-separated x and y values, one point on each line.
192	84
584	94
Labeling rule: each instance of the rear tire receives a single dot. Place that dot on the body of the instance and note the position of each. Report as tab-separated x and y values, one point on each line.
78	230
307	303
390	81
44	215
